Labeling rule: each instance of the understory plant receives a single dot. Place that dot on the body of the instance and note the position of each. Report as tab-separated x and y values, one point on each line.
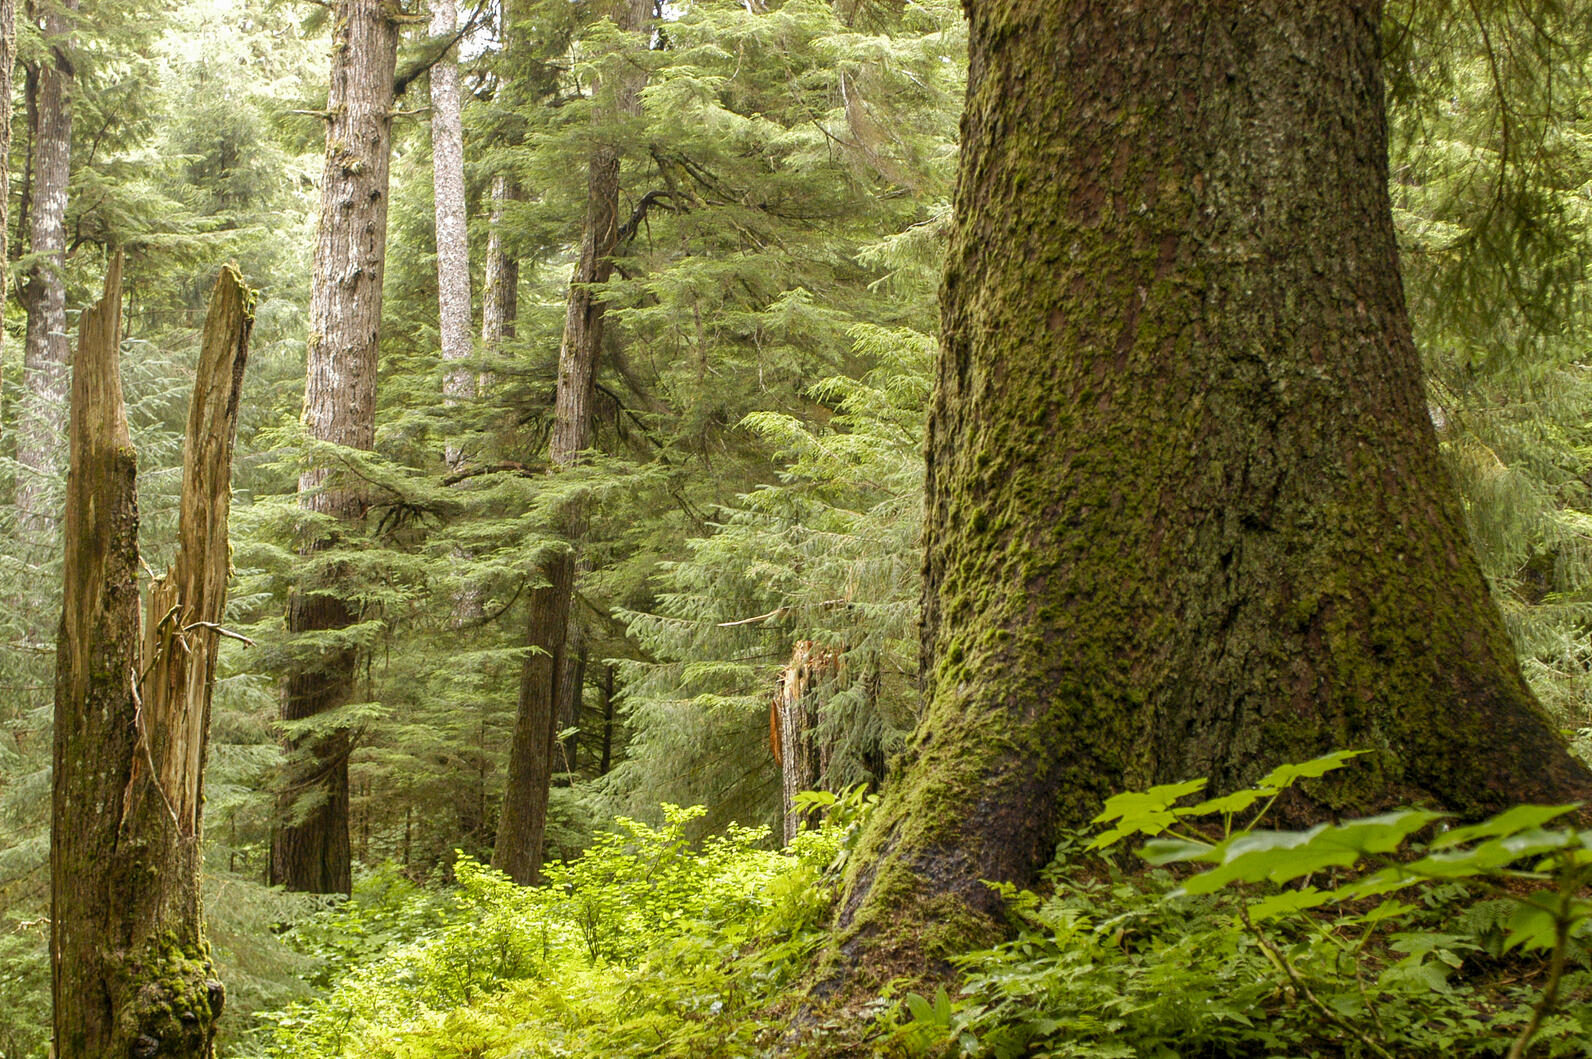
1388	936
648	945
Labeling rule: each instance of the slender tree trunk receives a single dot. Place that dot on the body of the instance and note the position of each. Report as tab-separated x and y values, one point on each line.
8	54
131	967
41	424
608	721
501	283
453	252
453	258
571	688
310	847
500	288
523	820
802	757
1185	514
519	840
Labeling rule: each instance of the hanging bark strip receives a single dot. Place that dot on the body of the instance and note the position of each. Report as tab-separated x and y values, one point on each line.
518	851
132	972
309	850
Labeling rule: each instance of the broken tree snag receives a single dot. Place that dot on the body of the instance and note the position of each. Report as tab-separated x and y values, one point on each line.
132	974
182	635
803	758
95	660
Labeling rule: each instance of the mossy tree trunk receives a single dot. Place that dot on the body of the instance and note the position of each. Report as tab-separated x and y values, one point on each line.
518	851
309	848
131	967
1185	513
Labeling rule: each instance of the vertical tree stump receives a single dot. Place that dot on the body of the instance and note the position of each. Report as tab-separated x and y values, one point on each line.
131	967
802	757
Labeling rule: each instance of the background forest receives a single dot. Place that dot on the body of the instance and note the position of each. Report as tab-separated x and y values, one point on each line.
745	543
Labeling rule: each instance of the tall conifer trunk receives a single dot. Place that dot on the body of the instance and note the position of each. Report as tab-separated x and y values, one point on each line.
8	55
42	423
310	846
131	967
1185	512
501	281
453	251
518	851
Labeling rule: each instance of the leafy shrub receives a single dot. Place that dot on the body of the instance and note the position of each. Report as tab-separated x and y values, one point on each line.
647	945
1282	944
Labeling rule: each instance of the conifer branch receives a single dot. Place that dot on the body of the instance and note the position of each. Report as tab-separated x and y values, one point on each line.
410	73
780	612
522	470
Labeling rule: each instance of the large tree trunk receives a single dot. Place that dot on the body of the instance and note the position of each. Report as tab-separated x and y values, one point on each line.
310	846
42	421
453	252
131	967
519	840
517	851
1185	513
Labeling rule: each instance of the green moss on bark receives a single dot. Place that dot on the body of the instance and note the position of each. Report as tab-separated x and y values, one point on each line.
1185	514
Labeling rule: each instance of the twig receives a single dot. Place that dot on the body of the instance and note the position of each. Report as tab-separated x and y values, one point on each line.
1550	992
142	731
213	627
1304	990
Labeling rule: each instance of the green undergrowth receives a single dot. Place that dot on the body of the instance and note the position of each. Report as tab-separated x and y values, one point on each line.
1391	936
1174	931
648	945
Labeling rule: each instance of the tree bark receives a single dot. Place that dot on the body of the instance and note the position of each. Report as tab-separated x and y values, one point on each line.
802	757
310	846
8	55
131	967
572	688
501	282
1185	514
519	840
46	351
453	252
605	761
500	286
